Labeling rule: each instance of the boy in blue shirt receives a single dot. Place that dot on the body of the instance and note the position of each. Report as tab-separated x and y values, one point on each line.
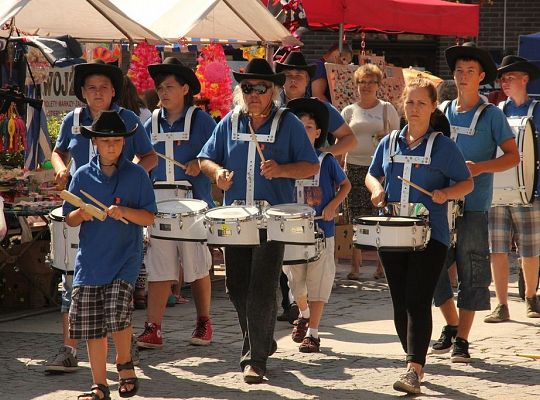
312	282
109	256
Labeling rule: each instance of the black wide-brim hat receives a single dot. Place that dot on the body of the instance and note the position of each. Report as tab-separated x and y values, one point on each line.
296	60
259	68
97	67
108	124
173	66
518	64
470	51
317	108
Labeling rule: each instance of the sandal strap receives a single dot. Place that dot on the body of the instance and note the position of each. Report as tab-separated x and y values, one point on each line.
122	367
97	386
128	381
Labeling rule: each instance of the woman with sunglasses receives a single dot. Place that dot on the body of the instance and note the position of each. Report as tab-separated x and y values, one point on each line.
252	272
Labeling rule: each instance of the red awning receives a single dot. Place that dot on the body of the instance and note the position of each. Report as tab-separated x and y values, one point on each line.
433	17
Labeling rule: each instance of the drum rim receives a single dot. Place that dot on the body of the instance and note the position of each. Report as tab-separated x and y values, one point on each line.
231	219
57	218
184	214
306	213
408	221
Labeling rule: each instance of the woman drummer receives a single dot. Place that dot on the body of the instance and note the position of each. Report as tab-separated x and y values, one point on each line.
432	161
179	130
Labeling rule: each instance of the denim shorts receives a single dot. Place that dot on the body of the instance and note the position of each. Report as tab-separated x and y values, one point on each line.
471	255
67	288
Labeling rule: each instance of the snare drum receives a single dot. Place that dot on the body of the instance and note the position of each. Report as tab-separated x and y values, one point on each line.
391	233
179	219
291	223
516	185
233	226
64	242
304	253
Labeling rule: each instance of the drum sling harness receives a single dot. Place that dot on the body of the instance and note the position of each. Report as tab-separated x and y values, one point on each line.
169	138
76	130
408	161
463	130
246	137
530	110
300	184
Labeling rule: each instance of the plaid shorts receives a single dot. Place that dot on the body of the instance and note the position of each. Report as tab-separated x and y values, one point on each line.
515	224
95	310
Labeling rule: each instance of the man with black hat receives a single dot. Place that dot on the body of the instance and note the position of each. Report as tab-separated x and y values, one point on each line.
267	175
98	85
297	77
178	130
477	128
520	223
109	255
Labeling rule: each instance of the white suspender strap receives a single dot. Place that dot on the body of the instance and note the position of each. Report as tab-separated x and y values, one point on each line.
501	105
76	130
300	184
463	130
530	110
155	121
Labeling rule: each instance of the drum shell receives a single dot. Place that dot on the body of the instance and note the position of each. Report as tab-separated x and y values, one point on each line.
391	233
304	253
230	231
516	186
183	225
64	242
296	228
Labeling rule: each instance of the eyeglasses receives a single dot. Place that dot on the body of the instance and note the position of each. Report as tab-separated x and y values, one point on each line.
258	88
367	83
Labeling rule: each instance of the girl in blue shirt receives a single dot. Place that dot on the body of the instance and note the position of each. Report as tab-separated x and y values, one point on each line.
412	276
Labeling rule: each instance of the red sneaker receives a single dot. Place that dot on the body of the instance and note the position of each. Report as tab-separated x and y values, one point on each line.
202	335
151	338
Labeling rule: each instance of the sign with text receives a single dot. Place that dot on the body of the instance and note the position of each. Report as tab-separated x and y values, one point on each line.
57	92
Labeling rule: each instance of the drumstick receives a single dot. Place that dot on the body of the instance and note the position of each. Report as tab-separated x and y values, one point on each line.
254	138
103	206
87	208
178	164
414	185
533	356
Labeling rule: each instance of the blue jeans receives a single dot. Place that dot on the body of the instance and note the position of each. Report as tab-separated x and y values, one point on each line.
252	277
471	255
67	288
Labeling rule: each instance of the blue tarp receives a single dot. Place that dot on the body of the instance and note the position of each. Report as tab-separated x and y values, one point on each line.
529	48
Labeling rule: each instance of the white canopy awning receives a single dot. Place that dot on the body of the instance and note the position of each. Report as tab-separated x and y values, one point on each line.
89	20
203	21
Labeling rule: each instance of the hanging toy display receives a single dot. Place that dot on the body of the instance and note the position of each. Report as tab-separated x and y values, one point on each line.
143	55
12	131
215	76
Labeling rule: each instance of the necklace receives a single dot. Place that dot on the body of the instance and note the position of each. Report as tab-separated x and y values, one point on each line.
108	165
411	144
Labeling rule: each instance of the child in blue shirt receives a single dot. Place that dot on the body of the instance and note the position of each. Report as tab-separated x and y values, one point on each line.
311	282
108	260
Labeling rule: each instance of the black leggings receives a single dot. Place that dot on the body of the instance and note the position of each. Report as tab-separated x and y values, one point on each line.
412	277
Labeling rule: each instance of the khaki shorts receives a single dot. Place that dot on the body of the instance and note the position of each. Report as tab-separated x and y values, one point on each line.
315	279
164	257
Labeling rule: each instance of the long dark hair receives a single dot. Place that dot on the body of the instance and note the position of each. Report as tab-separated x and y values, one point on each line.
130	99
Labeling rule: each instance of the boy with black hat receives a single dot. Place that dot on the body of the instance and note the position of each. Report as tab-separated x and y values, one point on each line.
477	128
179	131
311	282
109	256
98	85
517	222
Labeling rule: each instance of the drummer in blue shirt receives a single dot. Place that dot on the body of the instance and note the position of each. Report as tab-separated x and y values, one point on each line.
520	223
253	273
413	275
109	255
187	129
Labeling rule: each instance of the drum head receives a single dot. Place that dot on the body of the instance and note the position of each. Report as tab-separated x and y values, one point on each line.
181	206
388	221
290	210
232	213
527	148
56	214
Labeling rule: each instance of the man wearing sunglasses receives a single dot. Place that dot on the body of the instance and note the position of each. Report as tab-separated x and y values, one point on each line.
253	272
298	75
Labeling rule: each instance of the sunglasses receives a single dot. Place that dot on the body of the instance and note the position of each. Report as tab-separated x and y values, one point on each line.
259	88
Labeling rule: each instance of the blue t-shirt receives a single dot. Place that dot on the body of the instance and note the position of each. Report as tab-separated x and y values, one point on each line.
511	110
291	145
184	151
492	130
447	164
78	145
318	197
110	249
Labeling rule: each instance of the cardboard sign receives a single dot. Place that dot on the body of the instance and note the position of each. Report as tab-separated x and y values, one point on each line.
57	92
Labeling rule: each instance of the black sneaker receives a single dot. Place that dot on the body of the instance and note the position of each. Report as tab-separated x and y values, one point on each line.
290	314
444	344
460	354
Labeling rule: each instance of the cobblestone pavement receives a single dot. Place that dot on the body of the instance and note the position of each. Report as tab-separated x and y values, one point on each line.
360	355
